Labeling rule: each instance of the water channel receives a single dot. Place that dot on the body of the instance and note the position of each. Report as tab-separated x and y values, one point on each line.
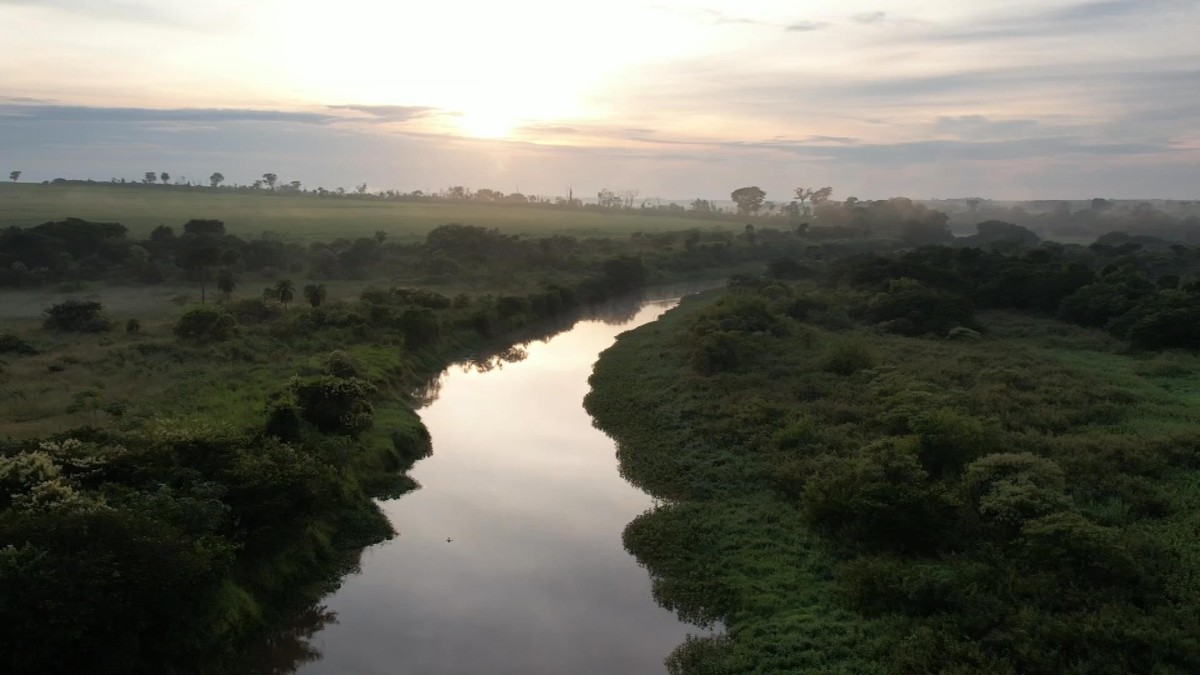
509	557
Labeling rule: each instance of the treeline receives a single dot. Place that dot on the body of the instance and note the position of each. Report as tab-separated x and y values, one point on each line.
844	498
1147	293
1099	216
202	252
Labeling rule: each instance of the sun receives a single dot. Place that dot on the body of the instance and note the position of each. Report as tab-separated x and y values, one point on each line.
483	124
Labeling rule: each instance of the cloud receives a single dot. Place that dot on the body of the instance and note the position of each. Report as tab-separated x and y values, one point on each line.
87	114
390	113
982	127
807	26
551	129
870	18
1081	18
156	13
927	152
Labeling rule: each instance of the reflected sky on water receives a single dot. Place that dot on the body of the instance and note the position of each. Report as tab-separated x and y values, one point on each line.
534	579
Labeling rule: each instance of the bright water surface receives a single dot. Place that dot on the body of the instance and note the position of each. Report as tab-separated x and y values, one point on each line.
534	578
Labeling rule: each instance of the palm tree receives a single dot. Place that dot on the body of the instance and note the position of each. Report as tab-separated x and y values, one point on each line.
285	290
315	294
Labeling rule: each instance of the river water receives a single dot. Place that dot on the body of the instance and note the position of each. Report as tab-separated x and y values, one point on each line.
509	557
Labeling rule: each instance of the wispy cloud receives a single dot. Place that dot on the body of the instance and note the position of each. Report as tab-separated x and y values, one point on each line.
87	114
807	26
1060	21
870	18
173	15
390	113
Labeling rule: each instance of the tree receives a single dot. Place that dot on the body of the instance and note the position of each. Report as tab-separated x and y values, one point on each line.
629	196
15	176
226	281
748	199
813	196
216	179
284	290
150	178
380	236
200	249
269	179
314	294
361	189
164	176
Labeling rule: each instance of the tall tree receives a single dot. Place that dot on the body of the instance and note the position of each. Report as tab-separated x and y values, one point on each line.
226	281
748	199
285	291
164	176
150	178
200	250
269	179
813	196
314	294
15	176
216	179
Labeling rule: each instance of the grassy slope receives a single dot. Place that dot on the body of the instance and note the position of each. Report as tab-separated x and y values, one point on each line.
142	208
730	548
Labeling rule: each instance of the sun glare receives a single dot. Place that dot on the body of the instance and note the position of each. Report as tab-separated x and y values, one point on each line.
483	124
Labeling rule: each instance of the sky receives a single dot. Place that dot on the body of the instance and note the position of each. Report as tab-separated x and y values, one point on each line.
1012	99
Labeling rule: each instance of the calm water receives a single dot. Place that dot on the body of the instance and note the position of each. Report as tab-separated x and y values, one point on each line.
534	579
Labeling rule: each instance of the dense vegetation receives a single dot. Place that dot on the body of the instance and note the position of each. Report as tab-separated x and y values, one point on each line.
886	474
172	485
858	470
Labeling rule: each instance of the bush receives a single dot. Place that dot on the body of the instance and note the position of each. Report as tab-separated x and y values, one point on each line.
206	324
76	316
133	326
11	344
334	405
847	358
341	364
253	310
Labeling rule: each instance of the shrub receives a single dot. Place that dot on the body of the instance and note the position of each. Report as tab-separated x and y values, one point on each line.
76	316
11	344
253	310
334	405
847	358
340	364
964	334
206	324
133	326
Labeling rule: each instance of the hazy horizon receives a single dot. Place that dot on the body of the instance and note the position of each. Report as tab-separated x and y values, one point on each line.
1058	99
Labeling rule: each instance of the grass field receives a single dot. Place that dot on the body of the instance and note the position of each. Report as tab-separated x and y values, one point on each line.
300	217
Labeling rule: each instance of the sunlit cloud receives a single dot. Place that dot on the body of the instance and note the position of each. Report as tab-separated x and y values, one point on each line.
1023	98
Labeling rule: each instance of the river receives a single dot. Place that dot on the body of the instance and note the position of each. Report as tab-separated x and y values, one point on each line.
509	557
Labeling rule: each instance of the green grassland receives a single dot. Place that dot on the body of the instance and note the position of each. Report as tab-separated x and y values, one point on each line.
303	217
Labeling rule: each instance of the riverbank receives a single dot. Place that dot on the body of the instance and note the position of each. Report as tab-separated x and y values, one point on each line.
841	499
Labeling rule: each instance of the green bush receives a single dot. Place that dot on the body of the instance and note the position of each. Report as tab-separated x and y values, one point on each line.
205	324
847	358
76	316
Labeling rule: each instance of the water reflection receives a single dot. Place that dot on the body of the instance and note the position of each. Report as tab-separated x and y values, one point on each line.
509	559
